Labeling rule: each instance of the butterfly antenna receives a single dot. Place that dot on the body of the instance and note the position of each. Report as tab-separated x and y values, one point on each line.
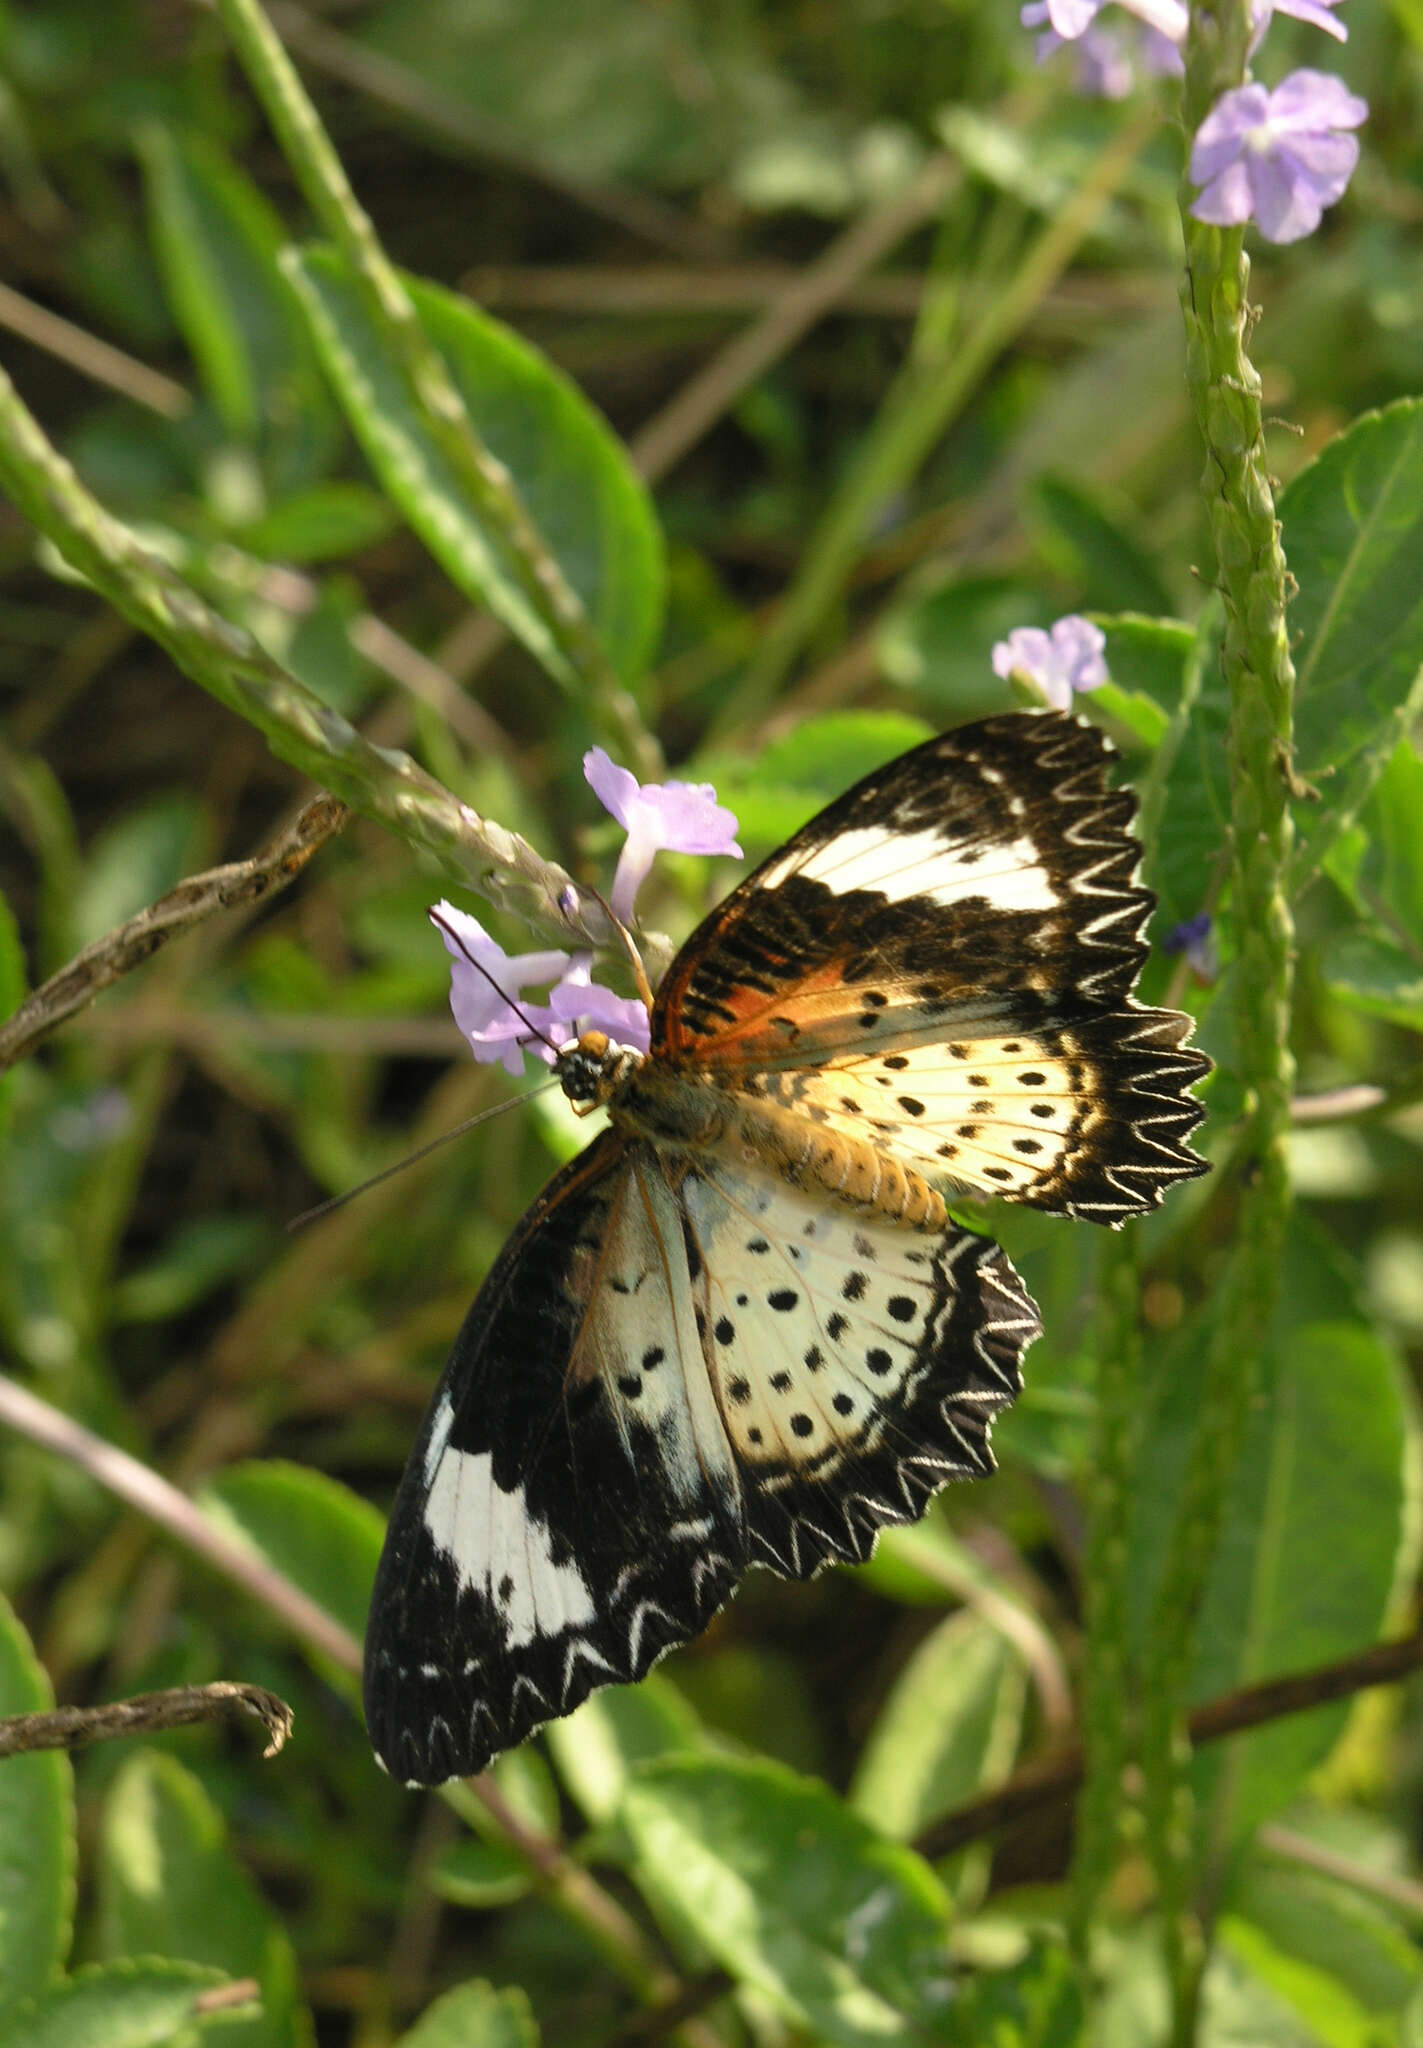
629	946
479	968
481	1116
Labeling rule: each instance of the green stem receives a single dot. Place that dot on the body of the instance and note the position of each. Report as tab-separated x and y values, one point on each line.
491	490
1106	1683
926	397
379	782
1253	585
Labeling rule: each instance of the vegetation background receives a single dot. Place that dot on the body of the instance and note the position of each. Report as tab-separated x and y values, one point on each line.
887	319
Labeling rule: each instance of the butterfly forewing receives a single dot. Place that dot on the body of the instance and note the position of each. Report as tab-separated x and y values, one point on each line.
941	965
571	1509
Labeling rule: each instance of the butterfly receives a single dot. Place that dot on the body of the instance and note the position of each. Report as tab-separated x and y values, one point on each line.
741	1327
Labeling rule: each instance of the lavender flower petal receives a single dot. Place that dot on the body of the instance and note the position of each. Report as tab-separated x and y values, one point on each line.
1061	663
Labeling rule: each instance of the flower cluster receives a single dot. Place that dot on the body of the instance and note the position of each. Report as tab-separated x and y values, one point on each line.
1277	158
487	984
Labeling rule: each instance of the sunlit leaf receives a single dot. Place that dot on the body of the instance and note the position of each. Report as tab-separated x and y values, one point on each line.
313	1529
840	1929
949	1727
218	239
570	470
170	1886
474	2016
597	1746
1353	525
142	2004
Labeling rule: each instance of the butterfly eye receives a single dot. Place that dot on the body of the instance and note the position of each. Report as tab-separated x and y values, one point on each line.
579	1077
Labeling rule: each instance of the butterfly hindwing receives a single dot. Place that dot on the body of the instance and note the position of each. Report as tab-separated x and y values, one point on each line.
967	915
858	1365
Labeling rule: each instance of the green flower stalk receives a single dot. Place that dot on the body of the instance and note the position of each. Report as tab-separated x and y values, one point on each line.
1106	1680
485	480
1253	584
379	782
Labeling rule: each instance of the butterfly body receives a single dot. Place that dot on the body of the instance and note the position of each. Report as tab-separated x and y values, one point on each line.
741	1326
657	1101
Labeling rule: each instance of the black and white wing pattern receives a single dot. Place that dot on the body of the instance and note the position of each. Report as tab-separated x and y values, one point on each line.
941	964
676	1369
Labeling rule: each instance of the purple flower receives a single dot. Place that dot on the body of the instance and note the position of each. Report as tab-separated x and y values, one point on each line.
581	1004
1194	940
1104	66
485	985
1109	58
485	980
1275	157
1069	19
684	817
1316	12
1059	663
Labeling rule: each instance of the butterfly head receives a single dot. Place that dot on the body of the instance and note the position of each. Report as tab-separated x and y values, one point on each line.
591	1069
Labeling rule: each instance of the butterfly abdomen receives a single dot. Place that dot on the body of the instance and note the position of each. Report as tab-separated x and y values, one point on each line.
661	1104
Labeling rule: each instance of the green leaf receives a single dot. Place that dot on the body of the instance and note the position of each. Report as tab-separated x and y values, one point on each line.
939	642
36	1835
570	470
323	523
1246	2008
1378	864
170	1886
1327	1927
1353	526
1148	659
201	1256
1186	833
474	2016
597	1746
14	981
134	861
1371	974
489	1872
797	775
193	279
321	1535
950	1726
142	2004
1315	2006
1036	2003
1392	870
1315	1528
1129	716
481	1874
843	1931
217	240
1090	539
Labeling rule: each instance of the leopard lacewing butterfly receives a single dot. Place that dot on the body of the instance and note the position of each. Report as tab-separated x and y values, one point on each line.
741	1327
